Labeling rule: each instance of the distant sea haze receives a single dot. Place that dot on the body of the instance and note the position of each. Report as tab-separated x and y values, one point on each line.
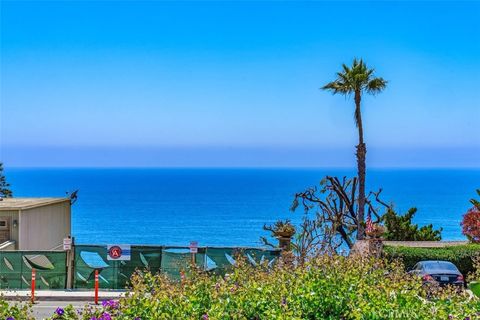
227	206
236	156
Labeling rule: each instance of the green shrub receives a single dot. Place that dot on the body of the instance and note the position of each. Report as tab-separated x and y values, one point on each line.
462	256
326	287
401	228
16	311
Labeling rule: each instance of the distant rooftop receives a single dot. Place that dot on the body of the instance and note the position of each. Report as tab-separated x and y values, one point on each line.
27	203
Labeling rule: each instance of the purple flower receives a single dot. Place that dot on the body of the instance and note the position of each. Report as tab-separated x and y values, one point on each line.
205	317
60	311
105	316
284	301
110	304
93	318
138	318
10	318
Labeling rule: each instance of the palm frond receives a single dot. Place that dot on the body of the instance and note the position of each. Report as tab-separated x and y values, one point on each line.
376	85
357	116
357	77
337	86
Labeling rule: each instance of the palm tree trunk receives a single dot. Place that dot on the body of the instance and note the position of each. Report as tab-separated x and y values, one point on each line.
361	167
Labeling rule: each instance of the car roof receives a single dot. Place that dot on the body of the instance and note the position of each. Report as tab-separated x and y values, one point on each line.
435	261
439	266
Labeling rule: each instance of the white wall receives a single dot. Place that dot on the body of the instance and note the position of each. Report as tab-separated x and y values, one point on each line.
44	228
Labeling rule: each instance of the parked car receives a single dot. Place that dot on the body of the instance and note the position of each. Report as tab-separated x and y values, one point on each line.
439	272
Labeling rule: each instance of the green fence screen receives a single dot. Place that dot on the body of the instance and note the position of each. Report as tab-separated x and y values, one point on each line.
168	260
112	274
16	269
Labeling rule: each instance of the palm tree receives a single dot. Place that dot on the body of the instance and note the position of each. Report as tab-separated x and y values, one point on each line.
356	80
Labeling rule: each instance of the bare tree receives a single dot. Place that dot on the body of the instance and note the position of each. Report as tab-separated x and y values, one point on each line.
335	212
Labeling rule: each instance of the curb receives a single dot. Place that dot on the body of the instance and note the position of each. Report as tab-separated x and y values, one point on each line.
64	297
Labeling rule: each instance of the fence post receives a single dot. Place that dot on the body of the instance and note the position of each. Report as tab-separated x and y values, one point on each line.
33	285
193	250
96	286
70	263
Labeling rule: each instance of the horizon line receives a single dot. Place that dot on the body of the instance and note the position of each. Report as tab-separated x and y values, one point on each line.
251	167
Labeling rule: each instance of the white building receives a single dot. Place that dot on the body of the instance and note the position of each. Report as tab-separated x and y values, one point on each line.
34	223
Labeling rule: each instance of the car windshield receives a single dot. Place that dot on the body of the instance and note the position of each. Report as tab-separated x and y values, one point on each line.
440	265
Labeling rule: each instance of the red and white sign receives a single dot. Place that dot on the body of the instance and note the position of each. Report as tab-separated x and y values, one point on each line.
193	247
118	252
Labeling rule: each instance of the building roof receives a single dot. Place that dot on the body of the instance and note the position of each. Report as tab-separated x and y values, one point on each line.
27	203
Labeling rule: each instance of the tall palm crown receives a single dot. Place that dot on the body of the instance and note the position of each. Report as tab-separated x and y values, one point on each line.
356	80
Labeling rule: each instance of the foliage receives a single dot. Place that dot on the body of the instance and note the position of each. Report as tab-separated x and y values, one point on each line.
306	242
401	228
475	274
474	277
109	309
475	202
357	80
471	225
16	311
281	228
462	256
325	287
5	191
375	232
471	221
283	231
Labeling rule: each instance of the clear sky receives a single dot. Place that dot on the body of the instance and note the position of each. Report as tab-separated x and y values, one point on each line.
225	83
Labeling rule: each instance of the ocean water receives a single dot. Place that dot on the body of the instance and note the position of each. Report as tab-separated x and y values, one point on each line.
226	206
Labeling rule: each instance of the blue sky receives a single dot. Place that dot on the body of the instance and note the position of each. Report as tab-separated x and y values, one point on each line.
236	83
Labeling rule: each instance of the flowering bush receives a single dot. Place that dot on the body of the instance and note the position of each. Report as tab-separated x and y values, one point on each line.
471	224
14	311
107	311
325	287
